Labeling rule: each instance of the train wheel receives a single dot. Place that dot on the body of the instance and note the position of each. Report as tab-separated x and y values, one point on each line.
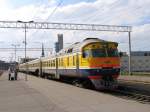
87	84
77	83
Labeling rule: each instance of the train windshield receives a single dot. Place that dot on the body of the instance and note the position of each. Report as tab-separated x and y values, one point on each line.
112	52
94	53
98	53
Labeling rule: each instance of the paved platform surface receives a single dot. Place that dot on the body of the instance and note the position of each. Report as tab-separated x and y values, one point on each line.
135	78
42	95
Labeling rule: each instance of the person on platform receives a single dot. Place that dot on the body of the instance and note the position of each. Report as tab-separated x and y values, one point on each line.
16	71
9	73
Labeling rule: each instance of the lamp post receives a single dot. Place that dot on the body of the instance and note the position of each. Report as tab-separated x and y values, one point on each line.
25	43
15	45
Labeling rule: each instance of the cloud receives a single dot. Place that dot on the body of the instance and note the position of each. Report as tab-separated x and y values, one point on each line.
118	12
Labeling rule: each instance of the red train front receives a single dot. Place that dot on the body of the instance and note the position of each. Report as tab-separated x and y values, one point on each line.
100	62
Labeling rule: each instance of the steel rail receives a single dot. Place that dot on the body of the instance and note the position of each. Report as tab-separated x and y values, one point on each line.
137	96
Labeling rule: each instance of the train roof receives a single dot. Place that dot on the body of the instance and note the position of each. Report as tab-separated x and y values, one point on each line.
48	57
79	45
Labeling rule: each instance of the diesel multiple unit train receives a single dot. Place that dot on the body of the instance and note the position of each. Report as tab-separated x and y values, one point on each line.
91	62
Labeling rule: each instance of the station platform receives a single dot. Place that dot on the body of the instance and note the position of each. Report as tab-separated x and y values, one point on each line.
140	79
42	95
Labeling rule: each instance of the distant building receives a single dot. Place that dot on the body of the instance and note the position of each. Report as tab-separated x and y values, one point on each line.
140	61
4	65
59	44
56	47
140	53
60	41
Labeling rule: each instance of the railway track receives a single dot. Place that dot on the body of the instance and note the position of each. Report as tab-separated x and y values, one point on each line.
127	93
135	81
137	96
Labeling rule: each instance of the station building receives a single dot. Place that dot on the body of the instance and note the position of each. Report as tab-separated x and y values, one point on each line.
140	61
4	65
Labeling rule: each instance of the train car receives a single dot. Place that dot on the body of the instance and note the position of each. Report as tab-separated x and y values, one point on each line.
22	67
49	67
33	67
91	62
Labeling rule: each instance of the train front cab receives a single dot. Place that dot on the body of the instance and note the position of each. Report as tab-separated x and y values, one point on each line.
101	64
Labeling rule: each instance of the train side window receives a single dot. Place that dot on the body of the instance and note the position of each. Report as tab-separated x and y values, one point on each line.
73	61
54	62
49	63
58	62
70	50
68	61
61	61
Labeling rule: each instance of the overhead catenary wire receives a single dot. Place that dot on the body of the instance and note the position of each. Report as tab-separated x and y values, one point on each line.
51	14
55	9
22	49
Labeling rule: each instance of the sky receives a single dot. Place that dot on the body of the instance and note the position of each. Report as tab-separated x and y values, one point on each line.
134	13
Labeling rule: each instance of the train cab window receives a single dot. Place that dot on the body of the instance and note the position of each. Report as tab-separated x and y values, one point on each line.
112	52
86	54
98	53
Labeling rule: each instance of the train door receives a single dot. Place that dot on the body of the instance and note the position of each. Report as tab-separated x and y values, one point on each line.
77	64
56	67
40	68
